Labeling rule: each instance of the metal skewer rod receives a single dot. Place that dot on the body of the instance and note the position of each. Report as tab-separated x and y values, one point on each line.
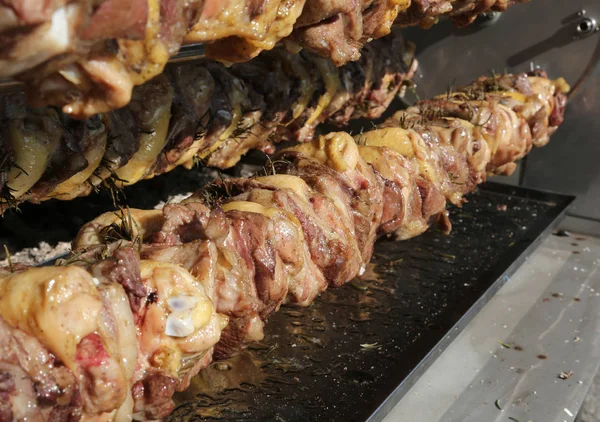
186	53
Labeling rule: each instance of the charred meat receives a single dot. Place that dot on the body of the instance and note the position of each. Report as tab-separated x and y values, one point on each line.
193	112
196	280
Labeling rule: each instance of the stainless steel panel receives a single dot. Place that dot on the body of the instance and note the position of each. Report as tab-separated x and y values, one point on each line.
538	33
506	364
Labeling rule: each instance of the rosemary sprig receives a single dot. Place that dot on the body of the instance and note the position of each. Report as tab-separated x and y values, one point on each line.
9	259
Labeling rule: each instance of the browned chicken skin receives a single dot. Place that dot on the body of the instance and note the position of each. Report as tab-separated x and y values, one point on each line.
199	111
86	56
161	293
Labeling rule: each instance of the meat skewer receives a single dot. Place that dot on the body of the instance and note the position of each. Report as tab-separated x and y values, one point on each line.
202	111
149	298
93	53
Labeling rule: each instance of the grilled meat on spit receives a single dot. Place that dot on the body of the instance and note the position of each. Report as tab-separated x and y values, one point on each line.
197	279
86	56
194	111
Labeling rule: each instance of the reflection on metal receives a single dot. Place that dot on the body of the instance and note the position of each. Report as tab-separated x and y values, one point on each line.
488	18
542	323
10	85
189	52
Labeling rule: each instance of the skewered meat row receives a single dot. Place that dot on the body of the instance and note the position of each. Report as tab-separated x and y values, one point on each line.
195	111
149	298
339	29
86	56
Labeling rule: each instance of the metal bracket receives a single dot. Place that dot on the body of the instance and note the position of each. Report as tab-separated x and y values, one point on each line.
585	25
488	18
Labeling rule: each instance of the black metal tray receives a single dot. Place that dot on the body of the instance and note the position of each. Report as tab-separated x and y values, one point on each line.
353	353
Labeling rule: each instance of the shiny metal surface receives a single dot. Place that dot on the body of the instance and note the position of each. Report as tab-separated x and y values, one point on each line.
10	85
507	363
587	26
540	33
188	52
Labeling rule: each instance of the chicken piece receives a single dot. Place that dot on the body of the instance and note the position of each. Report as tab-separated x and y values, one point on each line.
30	138
77	326
193	86
466	11
89	151
240	48
336	34
379	17
31	376
244	18
94	53
32	33
225	142
139	324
